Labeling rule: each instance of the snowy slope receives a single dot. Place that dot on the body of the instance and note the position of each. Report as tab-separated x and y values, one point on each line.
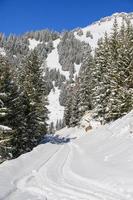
53	60
54	107
75	166
99	28
97	31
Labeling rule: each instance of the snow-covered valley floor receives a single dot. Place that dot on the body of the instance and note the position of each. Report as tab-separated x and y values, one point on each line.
74	165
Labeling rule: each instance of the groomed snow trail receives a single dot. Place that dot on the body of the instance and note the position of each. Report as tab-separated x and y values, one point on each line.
74	166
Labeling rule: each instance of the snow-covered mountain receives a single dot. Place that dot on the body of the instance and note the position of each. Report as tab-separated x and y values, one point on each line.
98	29
90	34
74	165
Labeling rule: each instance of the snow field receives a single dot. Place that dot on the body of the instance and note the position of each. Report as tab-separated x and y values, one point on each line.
97	165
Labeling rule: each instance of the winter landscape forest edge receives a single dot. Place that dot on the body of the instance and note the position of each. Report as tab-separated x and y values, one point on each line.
50	80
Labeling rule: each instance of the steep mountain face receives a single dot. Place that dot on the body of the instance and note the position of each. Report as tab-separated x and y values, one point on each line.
60	53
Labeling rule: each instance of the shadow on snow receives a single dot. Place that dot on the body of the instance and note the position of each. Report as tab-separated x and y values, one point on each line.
56	139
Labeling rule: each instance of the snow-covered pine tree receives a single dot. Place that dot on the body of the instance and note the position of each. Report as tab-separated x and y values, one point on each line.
101	80
34	86
129	55
18	105
123	57
15	105
5	133
85	80
63	94
4	74
68	106
74	115
120	99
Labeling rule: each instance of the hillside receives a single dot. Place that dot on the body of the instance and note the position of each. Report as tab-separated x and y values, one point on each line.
74	165
66	113
51	80
59	51
90	35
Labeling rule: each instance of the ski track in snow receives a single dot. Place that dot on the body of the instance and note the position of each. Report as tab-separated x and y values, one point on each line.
96	166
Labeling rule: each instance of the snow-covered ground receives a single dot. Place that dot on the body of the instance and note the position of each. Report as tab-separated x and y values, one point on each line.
56	111
75	165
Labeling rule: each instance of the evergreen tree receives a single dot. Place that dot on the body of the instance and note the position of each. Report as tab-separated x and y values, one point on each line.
68	107
18	105
15	105
5	133
129	55
35	88
4	77
101	80
85	81
120	101
74	120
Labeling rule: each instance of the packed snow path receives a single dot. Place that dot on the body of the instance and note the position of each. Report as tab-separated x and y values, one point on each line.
73	165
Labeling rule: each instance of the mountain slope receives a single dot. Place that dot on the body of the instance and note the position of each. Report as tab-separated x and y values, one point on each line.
53	60
98	29
74	165
43	40
90	34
